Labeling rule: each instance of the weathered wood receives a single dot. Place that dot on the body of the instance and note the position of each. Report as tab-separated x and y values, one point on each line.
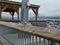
34	10
5	8
4	41
12	14
46	33
36	13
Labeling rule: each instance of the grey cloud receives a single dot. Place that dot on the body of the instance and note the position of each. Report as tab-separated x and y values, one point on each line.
48	7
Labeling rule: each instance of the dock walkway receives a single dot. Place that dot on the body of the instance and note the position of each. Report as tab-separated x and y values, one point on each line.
50	34
3	41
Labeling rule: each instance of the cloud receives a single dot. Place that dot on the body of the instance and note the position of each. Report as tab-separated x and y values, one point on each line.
47	7
51	7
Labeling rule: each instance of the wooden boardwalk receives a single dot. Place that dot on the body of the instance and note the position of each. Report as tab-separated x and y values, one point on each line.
3	41
50	34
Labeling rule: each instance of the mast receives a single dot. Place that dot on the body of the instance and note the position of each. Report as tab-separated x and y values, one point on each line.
24	11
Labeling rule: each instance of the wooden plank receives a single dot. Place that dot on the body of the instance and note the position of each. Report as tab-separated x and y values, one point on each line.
17	3
4	41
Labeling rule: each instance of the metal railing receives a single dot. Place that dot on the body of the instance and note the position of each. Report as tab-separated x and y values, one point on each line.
31	39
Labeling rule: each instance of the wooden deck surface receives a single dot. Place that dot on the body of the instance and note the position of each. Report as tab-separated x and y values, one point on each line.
47	33
17	3
4	41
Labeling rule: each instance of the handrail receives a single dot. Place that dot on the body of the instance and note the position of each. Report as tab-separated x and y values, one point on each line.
33	32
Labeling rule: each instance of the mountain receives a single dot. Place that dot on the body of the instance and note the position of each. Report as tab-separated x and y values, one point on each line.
46	17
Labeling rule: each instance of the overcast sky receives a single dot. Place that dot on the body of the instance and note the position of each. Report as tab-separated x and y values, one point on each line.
47	7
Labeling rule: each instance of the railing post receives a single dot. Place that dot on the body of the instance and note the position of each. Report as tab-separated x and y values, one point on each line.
52	43
36	41
43	41
32	39
23	38
48	42
39	41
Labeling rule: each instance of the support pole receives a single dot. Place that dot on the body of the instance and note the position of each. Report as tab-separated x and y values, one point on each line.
36	13
18	17
17	11
0	12
24	11
12	14
36	16
12	17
